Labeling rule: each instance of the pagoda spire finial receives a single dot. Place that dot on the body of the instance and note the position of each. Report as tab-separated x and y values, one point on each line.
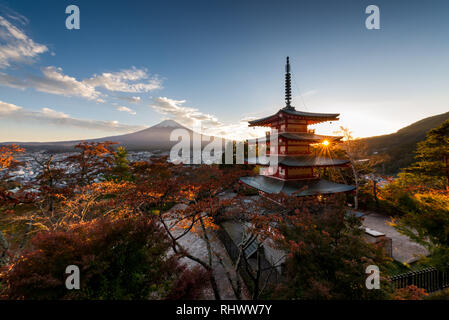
288	86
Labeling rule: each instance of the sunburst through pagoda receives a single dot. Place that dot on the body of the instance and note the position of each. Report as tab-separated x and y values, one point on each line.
297	170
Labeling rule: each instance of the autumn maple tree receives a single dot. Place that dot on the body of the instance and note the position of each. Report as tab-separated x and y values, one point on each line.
85	210
93	160
122	259
7	155
325	252
8	161
7	199
199	206
108	214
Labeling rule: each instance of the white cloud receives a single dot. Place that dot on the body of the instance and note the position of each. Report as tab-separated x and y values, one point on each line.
13	15
131	99
8	108
50	116
11	81
53	114
54	81
126	109
16	46
185	115
210	125
131	80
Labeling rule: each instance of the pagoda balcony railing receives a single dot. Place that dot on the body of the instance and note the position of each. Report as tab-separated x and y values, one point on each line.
303	176
290	129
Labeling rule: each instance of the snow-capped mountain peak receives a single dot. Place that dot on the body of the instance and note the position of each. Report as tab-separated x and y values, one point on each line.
167	124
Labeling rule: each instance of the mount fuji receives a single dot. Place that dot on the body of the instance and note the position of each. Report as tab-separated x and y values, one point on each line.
156	137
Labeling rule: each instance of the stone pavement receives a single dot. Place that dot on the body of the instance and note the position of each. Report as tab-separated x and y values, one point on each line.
404	249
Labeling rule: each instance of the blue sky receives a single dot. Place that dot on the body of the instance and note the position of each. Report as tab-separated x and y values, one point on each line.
135	63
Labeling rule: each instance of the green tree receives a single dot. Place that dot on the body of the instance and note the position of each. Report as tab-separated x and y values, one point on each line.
427	223
328	256
432	159
120	169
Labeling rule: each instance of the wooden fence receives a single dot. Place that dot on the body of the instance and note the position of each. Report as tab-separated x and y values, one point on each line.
430	279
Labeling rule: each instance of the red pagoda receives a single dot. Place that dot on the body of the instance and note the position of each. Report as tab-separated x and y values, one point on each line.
297	169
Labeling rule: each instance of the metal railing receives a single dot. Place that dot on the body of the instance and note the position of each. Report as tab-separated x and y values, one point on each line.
429	279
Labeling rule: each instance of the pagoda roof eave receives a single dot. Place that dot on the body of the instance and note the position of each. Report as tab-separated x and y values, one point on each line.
314	117
299	188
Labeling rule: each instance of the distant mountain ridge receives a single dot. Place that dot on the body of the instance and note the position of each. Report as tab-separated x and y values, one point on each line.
400	146
156	137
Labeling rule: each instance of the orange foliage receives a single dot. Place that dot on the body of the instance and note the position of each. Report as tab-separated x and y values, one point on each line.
409	293
94	158
7	155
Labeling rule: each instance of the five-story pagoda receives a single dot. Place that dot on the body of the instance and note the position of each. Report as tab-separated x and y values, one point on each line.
297	166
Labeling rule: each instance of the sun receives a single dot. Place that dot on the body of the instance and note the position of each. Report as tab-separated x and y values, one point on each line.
325	143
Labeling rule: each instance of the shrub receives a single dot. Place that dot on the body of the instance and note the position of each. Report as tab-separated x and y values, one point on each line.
409	293
328	257
439	295
123	259
427	224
